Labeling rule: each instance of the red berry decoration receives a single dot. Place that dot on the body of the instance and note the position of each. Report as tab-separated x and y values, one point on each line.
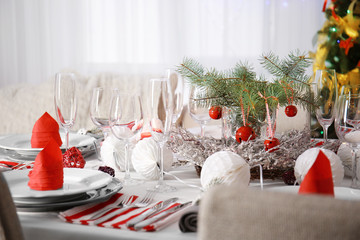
108	170
289	177
245	133
270	144
73	158
291	111
215	112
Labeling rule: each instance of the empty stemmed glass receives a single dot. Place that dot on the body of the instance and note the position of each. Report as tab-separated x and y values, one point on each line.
347	127
199	104
324	89
160	123
65	101
177	88
100	108
126	120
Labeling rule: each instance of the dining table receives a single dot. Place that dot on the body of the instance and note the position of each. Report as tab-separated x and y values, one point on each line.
48	225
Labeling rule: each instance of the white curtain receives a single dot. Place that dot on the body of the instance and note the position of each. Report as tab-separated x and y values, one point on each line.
40	37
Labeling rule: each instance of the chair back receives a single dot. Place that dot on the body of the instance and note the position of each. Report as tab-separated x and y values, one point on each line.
10	228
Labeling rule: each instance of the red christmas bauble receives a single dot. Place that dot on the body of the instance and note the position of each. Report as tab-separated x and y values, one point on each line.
291	111
215	112
245	133
270	144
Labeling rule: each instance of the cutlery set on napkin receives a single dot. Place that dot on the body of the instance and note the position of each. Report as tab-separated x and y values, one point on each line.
150	218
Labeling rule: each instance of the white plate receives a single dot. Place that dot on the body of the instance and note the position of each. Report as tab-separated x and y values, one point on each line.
344	193
21	143
75	181
92	196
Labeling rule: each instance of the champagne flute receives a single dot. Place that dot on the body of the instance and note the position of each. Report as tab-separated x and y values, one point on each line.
177	88
199	105
100	108
160	123
325	94
126	120
65	101
99	113
347	127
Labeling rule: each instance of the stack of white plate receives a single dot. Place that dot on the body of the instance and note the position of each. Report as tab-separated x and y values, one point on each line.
80	186
19	145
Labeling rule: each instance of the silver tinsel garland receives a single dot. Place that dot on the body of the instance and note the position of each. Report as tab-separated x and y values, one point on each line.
190	148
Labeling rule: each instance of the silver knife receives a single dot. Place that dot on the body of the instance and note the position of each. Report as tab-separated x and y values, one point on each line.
158	207
148	221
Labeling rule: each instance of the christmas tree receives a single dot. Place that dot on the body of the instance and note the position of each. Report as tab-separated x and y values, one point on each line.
338	44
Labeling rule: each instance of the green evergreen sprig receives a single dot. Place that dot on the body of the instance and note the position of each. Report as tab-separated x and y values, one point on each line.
241	90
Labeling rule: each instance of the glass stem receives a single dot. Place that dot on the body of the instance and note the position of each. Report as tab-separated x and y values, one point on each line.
127	161
67	138
202	133
325	133
355	177
161	154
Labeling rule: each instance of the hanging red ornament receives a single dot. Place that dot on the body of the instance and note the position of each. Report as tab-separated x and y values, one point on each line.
291	111
215	112
245	133
270	144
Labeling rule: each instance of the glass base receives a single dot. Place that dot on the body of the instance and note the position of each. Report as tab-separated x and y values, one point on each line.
162	187
132	182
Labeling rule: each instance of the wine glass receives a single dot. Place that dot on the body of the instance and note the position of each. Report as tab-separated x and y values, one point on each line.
324	89
126	120
99	113
177	88
160	123
65	101
100	108
347	127
199	104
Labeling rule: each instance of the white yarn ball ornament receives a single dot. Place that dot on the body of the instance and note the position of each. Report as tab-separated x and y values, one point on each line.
224	167
305	161
110	145
145	158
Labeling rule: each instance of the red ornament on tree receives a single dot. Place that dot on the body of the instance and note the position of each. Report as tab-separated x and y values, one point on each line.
270	144
215	112
245	133
291	111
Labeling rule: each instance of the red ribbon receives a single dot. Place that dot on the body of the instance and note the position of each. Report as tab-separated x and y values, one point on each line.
324	6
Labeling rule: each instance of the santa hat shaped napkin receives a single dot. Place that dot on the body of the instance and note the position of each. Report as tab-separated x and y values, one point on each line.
48	172
44	129
319	178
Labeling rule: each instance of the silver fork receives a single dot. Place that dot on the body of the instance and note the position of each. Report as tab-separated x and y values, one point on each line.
145	201
107	208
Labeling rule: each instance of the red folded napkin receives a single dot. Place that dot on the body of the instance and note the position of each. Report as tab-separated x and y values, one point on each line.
48	172
44	129
84	215
319	178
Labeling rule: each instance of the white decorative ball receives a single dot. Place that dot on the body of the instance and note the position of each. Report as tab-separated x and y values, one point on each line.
145	158
305	161
225	167
110	146
344	152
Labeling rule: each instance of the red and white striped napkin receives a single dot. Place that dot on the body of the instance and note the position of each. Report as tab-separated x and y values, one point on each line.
84	215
